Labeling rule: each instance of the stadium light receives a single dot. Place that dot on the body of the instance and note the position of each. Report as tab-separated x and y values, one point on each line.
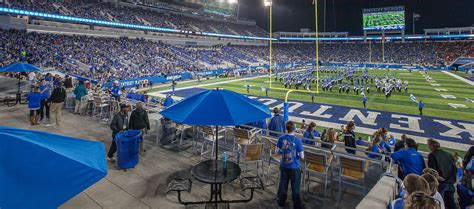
233	1
267	3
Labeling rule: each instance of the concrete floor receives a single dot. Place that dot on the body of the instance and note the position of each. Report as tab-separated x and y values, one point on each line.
145	185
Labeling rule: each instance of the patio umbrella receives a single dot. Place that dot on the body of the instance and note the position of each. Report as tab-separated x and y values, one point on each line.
20	67
43	170
217	108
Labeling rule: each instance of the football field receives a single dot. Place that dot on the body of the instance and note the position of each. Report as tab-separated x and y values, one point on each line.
448	114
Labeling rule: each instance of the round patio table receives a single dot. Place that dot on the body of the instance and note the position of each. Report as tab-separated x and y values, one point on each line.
207	172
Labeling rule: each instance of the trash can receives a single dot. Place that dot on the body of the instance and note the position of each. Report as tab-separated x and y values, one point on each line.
128	143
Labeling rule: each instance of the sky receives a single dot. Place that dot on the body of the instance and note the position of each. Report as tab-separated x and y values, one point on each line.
346	15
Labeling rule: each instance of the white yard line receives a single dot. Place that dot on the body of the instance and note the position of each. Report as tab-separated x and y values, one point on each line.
459	78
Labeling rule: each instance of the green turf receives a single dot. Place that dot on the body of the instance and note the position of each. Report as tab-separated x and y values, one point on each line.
435	105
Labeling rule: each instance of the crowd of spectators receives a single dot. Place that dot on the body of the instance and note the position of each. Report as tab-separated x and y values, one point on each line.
118	58
140	15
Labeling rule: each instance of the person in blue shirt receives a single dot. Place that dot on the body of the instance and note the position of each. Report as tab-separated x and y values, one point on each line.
116	91
364	101
168	101
310	133
413	185
291	150
376	148
277	123
45	92
384	143
410	160
421	105
34	104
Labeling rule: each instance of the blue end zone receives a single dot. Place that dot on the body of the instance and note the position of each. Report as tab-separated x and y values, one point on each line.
456	131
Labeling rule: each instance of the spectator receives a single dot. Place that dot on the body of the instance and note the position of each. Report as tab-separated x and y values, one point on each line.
445	164
350	138
58	96
291	150
433	182
80	91
119	123
303	125
411	183
68	84
310	133
465	186
139	121
116	92
32	79
384	133
410	160
277	123
400	143
421	200
168	101
376	148
34	104
329	139
44	90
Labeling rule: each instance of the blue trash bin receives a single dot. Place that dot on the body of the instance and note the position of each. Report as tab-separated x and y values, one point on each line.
128	145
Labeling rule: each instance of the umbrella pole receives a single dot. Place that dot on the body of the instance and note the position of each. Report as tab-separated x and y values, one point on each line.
18	95
217	143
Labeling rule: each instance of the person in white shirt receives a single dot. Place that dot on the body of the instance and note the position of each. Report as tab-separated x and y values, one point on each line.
32	79
433	182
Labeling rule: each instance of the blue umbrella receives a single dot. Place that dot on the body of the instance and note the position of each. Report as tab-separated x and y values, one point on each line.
43	170
20	67
217	108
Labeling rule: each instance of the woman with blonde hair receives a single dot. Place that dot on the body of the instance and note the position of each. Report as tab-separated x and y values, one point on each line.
329	139
376	148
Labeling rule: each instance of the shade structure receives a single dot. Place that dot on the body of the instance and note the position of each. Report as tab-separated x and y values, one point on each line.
217	108
43	170
20	67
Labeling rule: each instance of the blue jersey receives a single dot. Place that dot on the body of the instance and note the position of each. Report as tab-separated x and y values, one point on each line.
168	102
277	124
386	146
45	94
34	100
376	148
291	150
116	91
421	105
310	135
410	160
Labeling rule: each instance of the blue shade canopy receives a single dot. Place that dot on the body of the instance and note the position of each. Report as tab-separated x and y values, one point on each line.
20	67
43	170
217	107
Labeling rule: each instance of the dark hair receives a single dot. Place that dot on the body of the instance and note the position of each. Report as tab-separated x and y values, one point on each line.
349	125
434	143
290	126
123	106
411	143
276	110
81	82
311	126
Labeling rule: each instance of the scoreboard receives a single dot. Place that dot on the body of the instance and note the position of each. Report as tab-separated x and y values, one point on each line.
385	18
